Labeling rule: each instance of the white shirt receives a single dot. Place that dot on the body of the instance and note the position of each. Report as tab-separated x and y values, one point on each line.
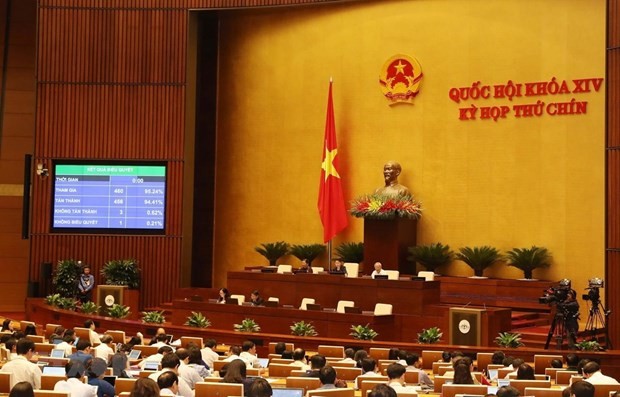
209	356
380	272
190	375
102	351
166	392
184	389
398	387
367	374
75	387
347	360
250	358
300	364
598	378
94	337
234	357
68	348
23	371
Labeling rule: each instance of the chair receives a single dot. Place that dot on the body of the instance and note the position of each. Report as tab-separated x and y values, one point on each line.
379	353
82	333
412	377
297	373
272	346
209	389
285	269
575	378
392	274
443	369
353	269
303	382
36	338
304	303
49	381
23	324
367	384
146	350
6	381
348	373
146	374
604	390
453	390
239	298
218	364
117	336
49	393
213	379
438	382
331	351
563	377
49	329
383	309
431	356
332	393
542	361
44	348
255	371
186	340
536	377
281	370
483	360
522	384
123	385
317	270
543	392
343	304
503	372
286	361
428	276
337	363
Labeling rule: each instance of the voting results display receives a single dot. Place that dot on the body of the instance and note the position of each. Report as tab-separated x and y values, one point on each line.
127	198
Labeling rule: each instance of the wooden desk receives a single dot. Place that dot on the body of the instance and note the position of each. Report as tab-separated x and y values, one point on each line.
279	319
406	296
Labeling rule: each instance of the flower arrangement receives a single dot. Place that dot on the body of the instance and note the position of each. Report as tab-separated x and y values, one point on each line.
382	206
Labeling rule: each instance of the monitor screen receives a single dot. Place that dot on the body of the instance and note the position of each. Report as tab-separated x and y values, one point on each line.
264	362
287	392
54	370
151	366
112	197
134	354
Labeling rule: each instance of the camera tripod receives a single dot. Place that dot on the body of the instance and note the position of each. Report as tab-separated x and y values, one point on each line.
597	320
557	331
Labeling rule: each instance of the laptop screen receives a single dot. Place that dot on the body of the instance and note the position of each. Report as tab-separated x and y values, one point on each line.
57	353
503	382
170	338
287	392
110	379
263	362
492	389
151	366
493	373
54	370
134	354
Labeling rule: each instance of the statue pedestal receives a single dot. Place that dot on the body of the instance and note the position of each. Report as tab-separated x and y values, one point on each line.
386	241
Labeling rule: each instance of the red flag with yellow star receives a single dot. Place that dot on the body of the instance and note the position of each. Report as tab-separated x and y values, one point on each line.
331	200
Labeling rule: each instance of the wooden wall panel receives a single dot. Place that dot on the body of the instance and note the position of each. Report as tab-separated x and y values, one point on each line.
612	268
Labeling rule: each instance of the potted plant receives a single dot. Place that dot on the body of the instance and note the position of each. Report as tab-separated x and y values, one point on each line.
52	300
122	272
307	251
350	252
363	332
509	340
430	336
247	325
273	251
197	320
479	258
90	308
118	311
589	345
528	259
66	276
302	328
66	303
153	317
431	256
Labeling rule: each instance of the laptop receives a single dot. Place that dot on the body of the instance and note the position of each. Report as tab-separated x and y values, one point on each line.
151	366
270	303
170	338
54	370
313	306
353	310
135	354
110	379
503	382
492	390
381	277
232	301
77	339
264	362
286	392
57	353
493	374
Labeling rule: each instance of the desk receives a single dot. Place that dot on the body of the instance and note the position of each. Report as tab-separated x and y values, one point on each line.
279	319
406	296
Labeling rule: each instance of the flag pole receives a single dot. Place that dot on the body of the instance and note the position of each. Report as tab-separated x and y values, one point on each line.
329	255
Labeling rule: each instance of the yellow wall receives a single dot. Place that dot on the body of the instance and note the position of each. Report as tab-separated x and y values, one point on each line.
510	183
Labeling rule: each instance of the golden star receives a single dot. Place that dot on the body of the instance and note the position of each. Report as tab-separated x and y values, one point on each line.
328	163
400	68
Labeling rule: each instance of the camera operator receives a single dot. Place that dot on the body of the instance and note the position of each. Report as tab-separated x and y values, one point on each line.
570	310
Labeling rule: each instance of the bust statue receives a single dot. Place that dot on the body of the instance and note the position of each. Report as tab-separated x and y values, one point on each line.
391	171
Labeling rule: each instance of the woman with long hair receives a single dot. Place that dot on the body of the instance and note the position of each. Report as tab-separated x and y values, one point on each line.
462	375
145	387
236	373
223	295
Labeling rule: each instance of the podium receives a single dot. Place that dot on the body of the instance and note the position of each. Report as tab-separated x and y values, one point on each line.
387	240
465	326
108	295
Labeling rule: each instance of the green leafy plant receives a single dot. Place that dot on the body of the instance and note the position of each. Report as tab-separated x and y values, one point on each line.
153	317
588	345
273	251
247	325
528	259
479	258
430	336
302	328
90	308
431	256
119	311
66	276
197	320
66	303
308	251
363	332
385	206
509	340
52	300
350	252
122	272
